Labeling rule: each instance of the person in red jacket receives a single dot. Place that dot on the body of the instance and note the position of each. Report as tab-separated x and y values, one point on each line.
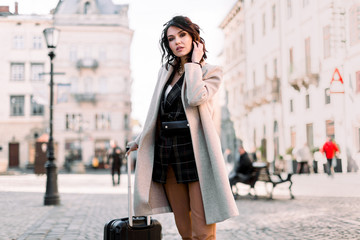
330	149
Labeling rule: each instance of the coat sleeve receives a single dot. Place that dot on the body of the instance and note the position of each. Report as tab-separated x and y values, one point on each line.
201	83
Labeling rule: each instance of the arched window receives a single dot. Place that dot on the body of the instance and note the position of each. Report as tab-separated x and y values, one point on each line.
87	8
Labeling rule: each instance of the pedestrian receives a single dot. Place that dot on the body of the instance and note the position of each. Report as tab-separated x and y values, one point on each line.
303	157
330	149
243	167
115	157
180	165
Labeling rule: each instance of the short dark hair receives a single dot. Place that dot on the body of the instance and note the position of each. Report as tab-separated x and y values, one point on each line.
187	25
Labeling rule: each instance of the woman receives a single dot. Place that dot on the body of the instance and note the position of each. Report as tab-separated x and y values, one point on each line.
180	166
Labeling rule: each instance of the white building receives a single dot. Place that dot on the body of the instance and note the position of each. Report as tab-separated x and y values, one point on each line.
92	81
291	50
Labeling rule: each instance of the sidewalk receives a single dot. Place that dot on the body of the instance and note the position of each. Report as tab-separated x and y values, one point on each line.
324	208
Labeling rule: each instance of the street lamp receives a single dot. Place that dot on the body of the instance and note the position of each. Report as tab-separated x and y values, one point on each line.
51	195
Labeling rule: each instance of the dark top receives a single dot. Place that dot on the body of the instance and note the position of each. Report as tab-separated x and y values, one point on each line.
244	164
116	156
174	148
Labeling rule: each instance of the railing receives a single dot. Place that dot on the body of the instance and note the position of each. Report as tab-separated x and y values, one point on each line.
263	94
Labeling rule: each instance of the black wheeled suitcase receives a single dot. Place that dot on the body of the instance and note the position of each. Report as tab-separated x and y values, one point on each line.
132	228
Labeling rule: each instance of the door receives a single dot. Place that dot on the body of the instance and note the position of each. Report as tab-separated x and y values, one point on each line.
13	154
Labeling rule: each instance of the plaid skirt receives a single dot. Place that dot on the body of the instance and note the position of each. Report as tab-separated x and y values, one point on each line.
177	151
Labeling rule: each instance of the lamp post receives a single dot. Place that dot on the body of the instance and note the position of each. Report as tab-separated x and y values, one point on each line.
51	195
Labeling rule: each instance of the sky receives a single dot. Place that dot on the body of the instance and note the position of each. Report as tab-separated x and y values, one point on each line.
146	19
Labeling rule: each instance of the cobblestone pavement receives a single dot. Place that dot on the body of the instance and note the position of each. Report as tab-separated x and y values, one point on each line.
323	208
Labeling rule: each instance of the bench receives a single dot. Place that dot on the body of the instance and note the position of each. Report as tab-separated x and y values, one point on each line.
260	174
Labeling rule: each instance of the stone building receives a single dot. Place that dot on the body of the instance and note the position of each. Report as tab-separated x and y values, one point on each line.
92	104
280	58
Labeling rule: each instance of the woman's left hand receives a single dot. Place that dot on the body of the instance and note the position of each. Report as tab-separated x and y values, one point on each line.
198	52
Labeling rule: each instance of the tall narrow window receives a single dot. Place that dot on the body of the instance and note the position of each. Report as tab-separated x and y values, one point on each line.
36	70
354	25
274	16
291	60
293	136
87	8
327	96
253	33
310	135
326	40
307	101
358	82
289	9
17	105
275	68
307	56
264	23
17	72
291	105
36	108
265	71
126	122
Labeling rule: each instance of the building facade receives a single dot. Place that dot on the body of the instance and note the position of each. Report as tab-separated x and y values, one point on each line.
291	50
92	105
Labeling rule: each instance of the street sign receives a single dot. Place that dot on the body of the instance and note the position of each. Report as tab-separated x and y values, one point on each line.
337	83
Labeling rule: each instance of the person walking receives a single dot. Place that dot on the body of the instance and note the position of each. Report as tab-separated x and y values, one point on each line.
180	165
115	157
330	149
303	157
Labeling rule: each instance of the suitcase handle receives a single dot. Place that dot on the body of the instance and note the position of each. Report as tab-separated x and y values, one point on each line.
130	202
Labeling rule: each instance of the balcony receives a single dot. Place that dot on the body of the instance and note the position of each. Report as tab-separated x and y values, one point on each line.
87	63
302	76
263	94
85	97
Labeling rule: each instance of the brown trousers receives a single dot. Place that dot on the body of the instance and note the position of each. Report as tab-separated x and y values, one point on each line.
186	202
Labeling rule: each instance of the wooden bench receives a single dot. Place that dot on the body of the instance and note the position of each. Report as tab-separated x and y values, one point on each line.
260	174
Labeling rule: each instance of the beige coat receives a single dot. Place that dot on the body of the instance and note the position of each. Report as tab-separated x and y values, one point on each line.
200	85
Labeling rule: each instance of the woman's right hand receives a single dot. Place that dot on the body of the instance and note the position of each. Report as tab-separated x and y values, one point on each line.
131	147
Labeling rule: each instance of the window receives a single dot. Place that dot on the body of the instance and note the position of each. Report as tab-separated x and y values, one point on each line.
310	135
330	129
88	88
18	42
102	121
326	40
291	105
265	72
253	33
126	122
17	105
264	23
254	79
87	8
72	54
305	3
17	72
275	68
307	56
307	101
37	42
274	16
354	25
289	9
291	60
327	95
36	108
241	44
293	136
36	70
103	88
73	122
358	82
